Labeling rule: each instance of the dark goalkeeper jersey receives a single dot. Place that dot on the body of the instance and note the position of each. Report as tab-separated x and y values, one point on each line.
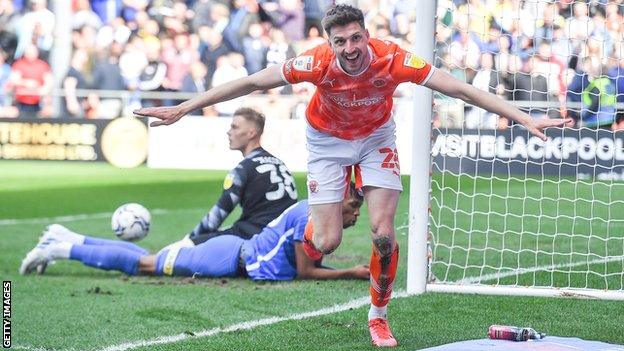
263	187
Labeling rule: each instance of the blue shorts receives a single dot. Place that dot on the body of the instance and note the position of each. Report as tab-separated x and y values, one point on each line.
217	257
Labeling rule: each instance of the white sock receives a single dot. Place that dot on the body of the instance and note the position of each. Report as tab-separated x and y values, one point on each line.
74	238
378	312
60	250
69	236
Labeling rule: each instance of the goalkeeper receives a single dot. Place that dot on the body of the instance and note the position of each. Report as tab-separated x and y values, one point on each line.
349	122
276	253
260	183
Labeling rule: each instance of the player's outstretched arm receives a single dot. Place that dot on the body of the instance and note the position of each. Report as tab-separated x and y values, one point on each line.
449	85
307	270
267	78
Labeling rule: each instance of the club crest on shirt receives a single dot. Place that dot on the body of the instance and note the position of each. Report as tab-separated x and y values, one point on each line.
313	186
303	63
413	61
228	181
379	83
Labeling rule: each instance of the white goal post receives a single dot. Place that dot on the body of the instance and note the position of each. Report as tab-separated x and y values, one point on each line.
507	214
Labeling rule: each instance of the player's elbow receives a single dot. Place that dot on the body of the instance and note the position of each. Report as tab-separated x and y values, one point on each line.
305	274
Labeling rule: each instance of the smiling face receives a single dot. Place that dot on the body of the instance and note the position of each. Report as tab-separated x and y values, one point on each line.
350	45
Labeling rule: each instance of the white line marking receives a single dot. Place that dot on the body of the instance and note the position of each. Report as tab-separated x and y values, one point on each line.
520	271
248	325
80	217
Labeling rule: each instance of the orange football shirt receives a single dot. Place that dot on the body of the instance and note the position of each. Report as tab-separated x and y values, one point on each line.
352	107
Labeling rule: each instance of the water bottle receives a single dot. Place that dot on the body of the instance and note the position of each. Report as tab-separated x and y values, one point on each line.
506	332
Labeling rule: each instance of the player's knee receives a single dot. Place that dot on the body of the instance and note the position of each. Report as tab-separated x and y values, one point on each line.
327	244
382	227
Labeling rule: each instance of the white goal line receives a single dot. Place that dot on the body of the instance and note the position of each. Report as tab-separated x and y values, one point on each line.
79	217
356	303
520	271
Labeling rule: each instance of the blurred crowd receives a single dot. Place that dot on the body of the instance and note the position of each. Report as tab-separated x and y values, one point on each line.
163	46
522	50
552	53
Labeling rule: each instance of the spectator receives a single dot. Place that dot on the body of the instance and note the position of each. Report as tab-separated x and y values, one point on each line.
6	110
229	68
489	80
243	14
288	16
212	13
598	98
255	47
153	75
9	17
31	79
547	65
578	83
177	56
579	27
195	82
464	51
314	10
107	10
36	27
73	105
84	16
402	13
476	16
523	83
313	39
279	49
133	61
107	76
618	124
211	48
545	31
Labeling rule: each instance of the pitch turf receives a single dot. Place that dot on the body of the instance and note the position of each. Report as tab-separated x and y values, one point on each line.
80	308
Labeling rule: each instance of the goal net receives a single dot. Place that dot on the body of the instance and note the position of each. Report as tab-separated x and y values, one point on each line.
510	213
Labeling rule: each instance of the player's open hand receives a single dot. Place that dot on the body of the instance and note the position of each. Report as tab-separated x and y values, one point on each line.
361	272
536	126
166	115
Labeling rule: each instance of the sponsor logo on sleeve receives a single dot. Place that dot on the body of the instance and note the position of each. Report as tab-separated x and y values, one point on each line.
228	181
288	67
413	61
303	63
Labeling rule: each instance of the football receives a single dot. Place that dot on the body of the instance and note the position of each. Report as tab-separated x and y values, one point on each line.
131	222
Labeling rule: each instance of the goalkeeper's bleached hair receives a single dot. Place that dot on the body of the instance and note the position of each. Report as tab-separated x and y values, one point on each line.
253	116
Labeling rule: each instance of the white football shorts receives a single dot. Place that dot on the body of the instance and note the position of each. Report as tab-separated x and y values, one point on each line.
330	160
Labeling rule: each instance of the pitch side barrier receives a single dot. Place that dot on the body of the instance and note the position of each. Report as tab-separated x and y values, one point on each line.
581	153
121	141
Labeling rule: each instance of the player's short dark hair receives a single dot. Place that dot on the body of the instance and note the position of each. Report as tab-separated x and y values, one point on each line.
253	116
355	193
341	15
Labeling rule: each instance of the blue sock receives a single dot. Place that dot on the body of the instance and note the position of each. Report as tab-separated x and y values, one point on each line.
89	240
107	257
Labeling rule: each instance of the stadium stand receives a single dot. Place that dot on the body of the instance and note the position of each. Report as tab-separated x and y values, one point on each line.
155	51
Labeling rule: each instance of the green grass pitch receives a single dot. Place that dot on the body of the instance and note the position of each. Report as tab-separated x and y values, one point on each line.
73	307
